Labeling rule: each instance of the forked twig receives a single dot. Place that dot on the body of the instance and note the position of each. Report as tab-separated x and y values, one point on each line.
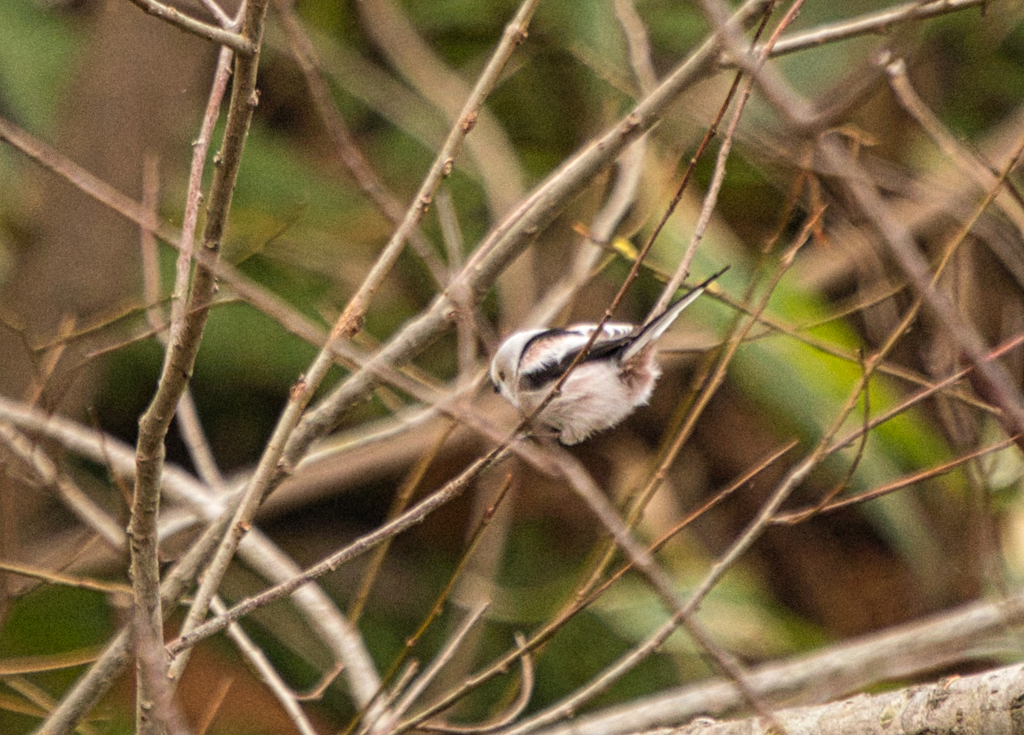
238	42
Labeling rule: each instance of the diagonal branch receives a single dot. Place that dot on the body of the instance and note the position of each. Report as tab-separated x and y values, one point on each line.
351	320
240	43
509	239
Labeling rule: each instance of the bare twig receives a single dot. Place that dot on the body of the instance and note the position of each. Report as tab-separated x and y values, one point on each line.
828	505
878	23
923	394
52	577
401	500
417	687
360	169
239	42
267	674
526	680
441	601
411	517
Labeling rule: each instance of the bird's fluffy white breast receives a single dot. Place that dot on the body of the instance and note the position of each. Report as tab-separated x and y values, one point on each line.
593	397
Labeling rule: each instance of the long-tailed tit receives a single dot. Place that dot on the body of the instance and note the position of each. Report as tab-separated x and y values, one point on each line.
615	377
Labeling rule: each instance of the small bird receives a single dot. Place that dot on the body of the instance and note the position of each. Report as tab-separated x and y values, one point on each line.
612	380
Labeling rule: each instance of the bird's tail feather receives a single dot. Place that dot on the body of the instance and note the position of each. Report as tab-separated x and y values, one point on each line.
657	326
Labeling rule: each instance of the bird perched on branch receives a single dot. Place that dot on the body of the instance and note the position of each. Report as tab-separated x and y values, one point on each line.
612	379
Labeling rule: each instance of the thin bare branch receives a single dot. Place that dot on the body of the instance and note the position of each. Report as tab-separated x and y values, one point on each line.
879	23
526	680
238	42
360	169
828	506
440	602
417	687
411	517
402	497
67	580
351	320
268	675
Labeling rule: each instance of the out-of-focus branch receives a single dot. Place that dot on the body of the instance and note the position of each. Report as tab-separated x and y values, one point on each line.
46	472
889	655
360	169
500	172
51	577
351	319
965	160
1004	393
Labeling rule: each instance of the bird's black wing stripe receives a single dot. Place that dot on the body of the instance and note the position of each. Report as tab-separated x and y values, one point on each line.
547	373
552	371
610	348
